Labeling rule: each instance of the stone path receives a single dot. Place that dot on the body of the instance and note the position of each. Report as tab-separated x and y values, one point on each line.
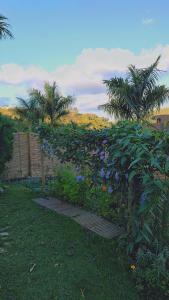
86	219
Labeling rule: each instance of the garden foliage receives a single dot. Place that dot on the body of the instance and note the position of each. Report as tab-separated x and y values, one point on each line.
6	138
130	164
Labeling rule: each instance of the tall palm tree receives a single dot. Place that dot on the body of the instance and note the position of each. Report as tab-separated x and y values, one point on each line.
30	111
136	96
49	105
4	28
54	104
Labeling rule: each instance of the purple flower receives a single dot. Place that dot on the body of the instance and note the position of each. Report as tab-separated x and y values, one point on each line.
110	189
104	142
102	157
102	172
80	178
108	174
117	177
102	153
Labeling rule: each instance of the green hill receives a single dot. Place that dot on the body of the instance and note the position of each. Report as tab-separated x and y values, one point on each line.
93	120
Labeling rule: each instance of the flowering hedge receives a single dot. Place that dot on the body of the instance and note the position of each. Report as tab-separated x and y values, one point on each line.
126	158
129	158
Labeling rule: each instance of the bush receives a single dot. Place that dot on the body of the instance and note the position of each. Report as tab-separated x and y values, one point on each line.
152	272
68	187
124	160
77	189
129	181
6	139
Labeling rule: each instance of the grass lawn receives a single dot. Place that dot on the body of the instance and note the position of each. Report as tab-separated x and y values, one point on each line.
50	257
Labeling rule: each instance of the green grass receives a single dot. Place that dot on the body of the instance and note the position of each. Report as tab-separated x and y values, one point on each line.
69	262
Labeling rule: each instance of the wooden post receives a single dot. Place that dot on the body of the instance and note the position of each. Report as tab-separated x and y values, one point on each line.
42	171
20	157
29	155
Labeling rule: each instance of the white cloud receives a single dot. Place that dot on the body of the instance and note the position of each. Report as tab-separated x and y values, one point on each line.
84	78
15	74
148	21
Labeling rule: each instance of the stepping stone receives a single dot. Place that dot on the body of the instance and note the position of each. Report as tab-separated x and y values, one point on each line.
60	207
4	234
98	225
2	250
4	229
70	212
86	219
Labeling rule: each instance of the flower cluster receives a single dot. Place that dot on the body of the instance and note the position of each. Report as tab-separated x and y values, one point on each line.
47	148
80	178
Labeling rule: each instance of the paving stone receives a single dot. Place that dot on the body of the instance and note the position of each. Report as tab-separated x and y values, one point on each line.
2	250
88	220
71	211
98	225
4	234
4	229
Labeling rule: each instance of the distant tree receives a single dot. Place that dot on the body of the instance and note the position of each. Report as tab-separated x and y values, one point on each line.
135	97
49	105
4	28
30	111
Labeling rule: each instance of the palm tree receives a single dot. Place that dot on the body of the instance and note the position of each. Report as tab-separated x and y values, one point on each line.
30	111
55	105
49	105
136	96
4	28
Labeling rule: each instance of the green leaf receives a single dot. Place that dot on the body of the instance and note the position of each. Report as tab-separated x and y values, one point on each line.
134	162
147	227
167	166
123	160
132	174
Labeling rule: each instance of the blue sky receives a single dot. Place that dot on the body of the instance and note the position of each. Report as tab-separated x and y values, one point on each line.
78	44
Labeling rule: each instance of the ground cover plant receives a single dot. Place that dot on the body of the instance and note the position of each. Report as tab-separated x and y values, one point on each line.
48	256
130	163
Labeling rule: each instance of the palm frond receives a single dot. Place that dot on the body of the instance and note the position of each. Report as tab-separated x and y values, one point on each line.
136	96
49	105
4	28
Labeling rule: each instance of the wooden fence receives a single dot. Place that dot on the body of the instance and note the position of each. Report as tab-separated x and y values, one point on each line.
28	159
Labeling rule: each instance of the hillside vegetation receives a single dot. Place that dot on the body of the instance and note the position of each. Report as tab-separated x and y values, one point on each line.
93	120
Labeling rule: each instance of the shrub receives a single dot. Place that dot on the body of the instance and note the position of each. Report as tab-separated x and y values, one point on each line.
124	160
6	139
68	187
152	271
129	171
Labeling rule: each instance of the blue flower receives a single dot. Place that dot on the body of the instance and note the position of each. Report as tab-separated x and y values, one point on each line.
102	155
102	172
80	178
126	176
117	177
110	189
97	151
142	199
108	174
